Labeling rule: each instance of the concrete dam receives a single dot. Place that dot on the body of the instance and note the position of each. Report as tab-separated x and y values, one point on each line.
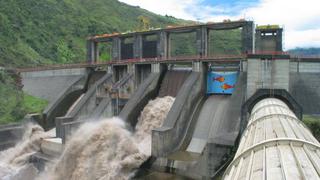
223	109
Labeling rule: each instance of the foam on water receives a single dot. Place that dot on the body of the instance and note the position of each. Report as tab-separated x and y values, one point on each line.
16	158
107	150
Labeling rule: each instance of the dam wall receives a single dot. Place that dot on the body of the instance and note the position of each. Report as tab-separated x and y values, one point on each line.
48	84
305	85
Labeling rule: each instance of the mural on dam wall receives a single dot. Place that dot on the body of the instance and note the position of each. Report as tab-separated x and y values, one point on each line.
221	82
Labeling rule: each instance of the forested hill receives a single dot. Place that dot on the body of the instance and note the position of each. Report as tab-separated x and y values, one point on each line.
54	31
305	51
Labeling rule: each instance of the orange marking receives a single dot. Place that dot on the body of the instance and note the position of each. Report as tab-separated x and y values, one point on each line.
220	79
227	86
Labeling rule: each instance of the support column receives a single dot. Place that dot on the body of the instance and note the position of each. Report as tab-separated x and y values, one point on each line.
91	51
257	45
162	45
196	66
202	42
279	40
116	48
131	69
137	47
247	38
109	69
155	68
96	52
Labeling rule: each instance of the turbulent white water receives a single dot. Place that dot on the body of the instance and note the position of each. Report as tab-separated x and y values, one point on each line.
16	158
103	150
106	150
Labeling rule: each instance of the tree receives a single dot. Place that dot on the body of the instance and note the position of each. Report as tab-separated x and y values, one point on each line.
64	53
144	23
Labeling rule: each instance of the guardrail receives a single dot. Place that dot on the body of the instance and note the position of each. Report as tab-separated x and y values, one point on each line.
217	57
270	53
58	66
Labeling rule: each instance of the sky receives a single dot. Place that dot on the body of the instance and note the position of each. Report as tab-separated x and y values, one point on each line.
300	19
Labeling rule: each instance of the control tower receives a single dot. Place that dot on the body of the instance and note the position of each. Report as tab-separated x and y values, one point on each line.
268	38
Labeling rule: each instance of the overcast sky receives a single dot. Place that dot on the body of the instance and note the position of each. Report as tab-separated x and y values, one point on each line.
300	19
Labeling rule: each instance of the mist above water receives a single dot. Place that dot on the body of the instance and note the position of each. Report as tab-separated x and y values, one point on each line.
106	150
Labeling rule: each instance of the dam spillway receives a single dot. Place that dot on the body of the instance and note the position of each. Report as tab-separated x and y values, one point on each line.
103	149
193	112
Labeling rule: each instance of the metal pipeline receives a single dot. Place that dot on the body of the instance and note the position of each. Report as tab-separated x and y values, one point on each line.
275	145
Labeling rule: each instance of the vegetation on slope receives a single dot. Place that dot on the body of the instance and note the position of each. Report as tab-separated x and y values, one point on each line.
54	31
225	42
305	51
11	100
313	123
220	42
33	104
14	104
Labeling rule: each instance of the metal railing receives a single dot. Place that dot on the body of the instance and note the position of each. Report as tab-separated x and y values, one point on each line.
217	57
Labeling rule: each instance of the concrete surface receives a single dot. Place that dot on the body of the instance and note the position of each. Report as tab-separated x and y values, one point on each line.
167	138
305	88
209	144
146	91
87	103
103	110
48	88
49	84
172	82
267	74
54	72
52	146
63	101
210	117
84	109
96	103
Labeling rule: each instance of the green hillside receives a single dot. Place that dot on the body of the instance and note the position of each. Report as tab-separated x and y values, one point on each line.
14	104
305	51
11	103
34	32
53	31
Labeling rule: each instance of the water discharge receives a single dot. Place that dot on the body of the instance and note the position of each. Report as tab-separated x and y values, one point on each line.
15	159
106	150
103	150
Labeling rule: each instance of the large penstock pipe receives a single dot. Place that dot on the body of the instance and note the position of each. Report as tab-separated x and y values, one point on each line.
275	145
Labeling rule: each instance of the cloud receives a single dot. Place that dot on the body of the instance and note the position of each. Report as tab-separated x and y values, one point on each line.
302	38
176	8
292	13
300	19
188	9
